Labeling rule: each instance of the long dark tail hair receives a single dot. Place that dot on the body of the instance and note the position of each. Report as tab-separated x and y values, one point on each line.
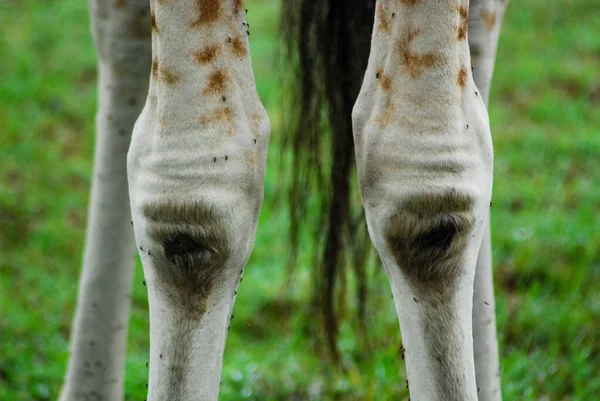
327	44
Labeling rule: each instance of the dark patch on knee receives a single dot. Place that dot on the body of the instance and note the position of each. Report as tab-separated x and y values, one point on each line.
182	247
438	238
427	237
193	250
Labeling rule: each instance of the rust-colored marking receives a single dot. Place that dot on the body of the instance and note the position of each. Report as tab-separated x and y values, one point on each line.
255	121
168	76
223	114
209	12
387	114
120	4
385	81
153	19
384	22
415	63
239	5
162	120
239	47
155	68
410	2
250	158
489	18
207	54
217	82
464	22
462	78
220	114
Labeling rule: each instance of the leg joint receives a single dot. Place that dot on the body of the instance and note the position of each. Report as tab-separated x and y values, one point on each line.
427	236
188	249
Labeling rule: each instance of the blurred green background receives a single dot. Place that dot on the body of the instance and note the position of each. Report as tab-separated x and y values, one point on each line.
545	118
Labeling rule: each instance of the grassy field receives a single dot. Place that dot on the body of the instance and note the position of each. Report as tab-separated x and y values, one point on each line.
545	116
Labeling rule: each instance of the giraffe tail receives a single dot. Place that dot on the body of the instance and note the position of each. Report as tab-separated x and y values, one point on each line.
327	44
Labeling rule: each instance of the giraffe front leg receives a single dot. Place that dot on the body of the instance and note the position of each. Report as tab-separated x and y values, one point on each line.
196	171
121	33
424	158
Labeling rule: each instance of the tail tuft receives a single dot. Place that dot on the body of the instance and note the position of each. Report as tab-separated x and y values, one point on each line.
327	43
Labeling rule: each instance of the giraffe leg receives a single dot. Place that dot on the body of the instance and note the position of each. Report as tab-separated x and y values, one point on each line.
424	157
95	370
196	176
485	20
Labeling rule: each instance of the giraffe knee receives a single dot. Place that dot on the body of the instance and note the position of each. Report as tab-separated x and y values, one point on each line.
188	248
427	237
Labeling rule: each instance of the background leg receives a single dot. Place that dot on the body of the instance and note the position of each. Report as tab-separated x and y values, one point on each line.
485	19
121	33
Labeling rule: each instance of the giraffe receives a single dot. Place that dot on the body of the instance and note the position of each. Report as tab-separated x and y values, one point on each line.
195	166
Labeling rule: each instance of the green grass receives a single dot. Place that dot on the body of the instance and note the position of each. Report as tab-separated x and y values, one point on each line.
545	116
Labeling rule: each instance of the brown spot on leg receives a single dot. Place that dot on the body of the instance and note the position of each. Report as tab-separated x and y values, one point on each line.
224	114
155	68
120	4
239	47
255	119
385	81
207	54
387	114
209	12
250	158
220	115
168	76
415	63
384	22
489	18
410	2
217	83
153	19
462	78
464	22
